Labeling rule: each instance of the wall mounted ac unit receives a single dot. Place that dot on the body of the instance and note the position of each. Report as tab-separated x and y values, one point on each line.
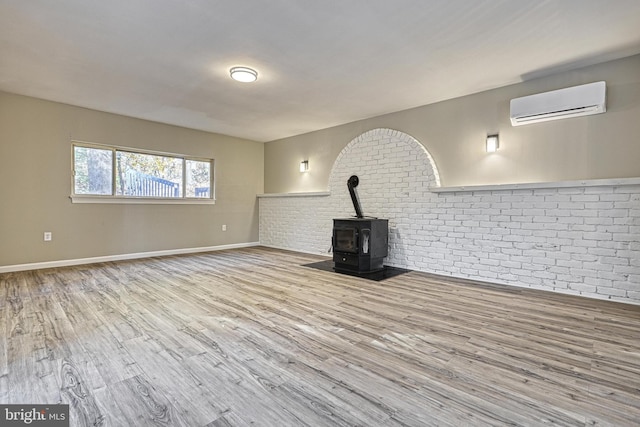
573	101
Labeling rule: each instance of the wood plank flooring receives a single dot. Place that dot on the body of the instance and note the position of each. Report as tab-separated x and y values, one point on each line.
251	337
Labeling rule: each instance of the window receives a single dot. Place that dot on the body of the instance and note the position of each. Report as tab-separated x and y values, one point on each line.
108	173
93	171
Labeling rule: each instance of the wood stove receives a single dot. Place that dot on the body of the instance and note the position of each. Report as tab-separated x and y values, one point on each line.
361	243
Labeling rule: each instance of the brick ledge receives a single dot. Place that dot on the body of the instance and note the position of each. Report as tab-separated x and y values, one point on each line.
306	194
539	185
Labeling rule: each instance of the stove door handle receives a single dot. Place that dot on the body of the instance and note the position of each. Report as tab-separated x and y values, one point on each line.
366	233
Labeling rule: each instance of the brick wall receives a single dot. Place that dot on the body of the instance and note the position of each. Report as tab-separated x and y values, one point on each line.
582	239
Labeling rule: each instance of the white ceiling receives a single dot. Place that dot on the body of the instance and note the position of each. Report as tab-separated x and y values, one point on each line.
320	62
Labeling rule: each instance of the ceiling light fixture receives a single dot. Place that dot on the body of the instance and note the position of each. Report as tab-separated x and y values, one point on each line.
244	74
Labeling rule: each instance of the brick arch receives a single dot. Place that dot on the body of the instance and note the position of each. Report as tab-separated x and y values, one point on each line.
395	172
366	148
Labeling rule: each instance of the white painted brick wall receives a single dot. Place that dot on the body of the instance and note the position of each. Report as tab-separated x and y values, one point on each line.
582	240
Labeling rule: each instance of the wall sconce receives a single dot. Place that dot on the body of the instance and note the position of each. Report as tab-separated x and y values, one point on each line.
493	143
304	166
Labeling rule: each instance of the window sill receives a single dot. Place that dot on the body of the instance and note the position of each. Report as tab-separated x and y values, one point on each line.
140	200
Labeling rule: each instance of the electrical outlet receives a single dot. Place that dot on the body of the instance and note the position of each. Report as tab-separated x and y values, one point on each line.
47	236
224	227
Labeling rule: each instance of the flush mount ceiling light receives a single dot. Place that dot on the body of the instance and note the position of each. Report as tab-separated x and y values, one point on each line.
244	74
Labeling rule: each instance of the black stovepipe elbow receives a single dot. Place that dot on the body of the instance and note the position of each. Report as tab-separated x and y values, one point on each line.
352	183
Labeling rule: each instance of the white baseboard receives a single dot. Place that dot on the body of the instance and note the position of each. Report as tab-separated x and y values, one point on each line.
92	260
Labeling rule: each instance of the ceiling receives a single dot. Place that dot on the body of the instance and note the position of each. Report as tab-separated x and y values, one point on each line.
320	63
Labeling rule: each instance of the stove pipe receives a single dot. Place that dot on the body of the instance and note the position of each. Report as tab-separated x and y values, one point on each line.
352	183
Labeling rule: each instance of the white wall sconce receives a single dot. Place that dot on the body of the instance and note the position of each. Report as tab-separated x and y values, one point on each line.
244	74
304	166
493	143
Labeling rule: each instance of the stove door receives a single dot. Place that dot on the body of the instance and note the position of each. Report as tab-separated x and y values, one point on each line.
345	240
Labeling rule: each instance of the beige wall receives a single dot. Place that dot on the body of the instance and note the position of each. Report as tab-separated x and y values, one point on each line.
35	184
599	146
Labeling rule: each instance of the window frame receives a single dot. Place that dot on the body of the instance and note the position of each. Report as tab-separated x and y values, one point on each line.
114	198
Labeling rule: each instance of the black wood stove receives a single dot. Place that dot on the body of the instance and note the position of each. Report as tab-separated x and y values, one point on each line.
361	243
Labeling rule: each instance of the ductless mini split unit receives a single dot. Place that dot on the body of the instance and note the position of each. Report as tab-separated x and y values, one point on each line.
559	104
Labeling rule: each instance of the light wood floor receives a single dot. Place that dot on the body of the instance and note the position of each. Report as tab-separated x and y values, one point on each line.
250	337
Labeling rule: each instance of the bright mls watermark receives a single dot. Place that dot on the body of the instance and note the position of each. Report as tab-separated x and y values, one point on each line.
34	415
